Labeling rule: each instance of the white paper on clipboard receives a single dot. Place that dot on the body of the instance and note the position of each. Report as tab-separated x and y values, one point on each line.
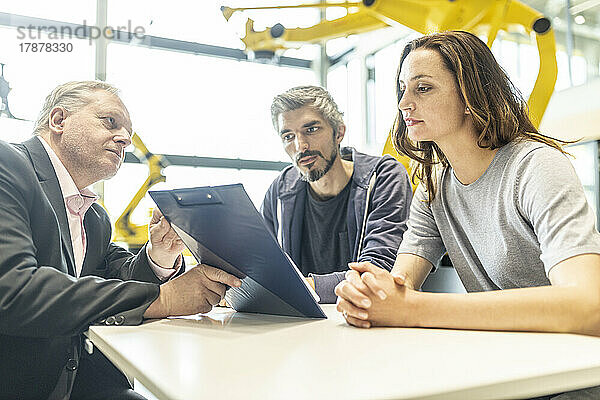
310	288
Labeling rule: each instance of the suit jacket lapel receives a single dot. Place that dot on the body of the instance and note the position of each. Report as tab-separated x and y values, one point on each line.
49	182
95	235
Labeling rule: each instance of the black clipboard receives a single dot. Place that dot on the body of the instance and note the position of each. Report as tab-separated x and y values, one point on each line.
222	228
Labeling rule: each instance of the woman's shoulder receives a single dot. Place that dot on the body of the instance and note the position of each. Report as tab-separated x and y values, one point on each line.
526	153
538	167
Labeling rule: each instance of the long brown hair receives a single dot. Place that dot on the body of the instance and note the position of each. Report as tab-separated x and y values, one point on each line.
498	110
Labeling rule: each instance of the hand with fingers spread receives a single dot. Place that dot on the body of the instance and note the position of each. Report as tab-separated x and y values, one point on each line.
371	296
195	291
164	245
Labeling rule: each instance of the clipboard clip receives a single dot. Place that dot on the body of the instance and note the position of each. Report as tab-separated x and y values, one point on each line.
188	198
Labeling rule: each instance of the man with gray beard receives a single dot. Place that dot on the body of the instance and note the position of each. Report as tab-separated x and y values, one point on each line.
333	205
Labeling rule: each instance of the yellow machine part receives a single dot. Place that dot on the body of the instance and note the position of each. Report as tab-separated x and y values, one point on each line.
481	17
126	231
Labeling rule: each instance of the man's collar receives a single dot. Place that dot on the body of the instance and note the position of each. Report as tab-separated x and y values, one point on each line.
65	180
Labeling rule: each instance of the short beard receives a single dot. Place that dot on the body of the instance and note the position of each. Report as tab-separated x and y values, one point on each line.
315	175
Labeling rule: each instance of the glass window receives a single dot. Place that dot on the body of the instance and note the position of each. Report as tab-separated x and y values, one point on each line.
340	45
335	13
529	67
578	70
386	66
203	21
14	131
519	60
562	79
73	11
197	105
337	85
32	75
306	51
355	107
507	54
255	182
371	96
119	190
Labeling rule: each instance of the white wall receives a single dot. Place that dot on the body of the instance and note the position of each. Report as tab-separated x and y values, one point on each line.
574	113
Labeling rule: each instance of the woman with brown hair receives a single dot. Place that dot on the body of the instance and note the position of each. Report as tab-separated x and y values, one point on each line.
499	197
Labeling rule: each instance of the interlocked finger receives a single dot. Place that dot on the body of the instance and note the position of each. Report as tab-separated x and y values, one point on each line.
374	285
354	278
348	292
359	323
349	310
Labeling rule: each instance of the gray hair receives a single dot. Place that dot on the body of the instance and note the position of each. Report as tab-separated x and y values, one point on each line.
72	96
315	97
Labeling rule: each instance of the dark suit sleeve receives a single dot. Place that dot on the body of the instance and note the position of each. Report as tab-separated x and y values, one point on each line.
41	300
115	261
126	266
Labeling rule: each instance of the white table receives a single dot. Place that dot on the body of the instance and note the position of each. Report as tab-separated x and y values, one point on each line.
231	355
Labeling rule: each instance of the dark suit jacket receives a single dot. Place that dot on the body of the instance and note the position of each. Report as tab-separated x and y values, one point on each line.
43	308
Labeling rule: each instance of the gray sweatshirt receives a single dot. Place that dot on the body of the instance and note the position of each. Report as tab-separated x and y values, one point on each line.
525	214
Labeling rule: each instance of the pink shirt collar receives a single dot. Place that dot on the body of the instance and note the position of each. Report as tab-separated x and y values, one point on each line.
67	185
77	203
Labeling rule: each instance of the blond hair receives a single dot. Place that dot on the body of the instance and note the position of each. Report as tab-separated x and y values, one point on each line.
72	96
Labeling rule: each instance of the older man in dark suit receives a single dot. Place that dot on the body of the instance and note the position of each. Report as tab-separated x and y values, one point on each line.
59	273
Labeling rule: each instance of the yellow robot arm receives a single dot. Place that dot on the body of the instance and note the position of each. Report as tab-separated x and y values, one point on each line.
482	17
125	230
533	21
487	18
279	38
